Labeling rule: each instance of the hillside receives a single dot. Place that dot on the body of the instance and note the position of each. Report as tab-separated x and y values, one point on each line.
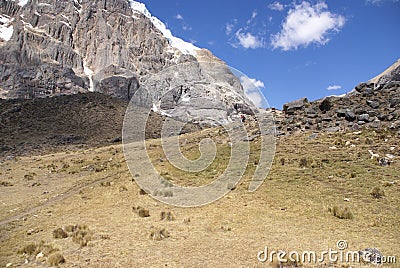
321	189
85	120
81	205
51	124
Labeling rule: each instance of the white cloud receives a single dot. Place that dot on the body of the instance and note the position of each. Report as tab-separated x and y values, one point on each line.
186	27
251	90
252	17
334	87
243	36
256	83
378	2
229	28
276	6
179	17
254	14
247	40
307	24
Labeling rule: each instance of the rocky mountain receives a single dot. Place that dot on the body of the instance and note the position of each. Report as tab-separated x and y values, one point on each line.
374	104
53	47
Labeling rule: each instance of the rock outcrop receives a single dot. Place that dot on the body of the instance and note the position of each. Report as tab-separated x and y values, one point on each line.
369	105
391	74
113	47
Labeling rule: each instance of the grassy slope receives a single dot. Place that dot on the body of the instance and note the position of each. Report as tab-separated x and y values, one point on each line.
289	211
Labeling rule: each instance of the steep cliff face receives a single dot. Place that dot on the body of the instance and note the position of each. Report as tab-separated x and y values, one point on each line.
52	47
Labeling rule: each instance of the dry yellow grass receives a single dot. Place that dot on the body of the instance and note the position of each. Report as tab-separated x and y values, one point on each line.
290	211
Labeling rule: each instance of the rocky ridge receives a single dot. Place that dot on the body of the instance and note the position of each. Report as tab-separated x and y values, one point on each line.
374	104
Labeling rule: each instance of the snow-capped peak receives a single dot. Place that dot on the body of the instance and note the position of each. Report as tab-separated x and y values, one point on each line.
183	46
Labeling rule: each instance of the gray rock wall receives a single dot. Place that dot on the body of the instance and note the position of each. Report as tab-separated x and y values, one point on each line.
65	47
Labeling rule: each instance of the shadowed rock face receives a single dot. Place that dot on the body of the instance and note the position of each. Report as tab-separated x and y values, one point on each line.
71	46
73	121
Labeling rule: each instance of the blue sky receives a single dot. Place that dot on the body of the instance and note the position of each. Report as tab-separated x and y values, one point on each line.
293	49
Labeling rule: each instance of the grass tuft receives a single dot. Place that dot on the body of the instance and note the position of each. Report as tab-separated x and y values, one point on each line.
59	233
6	184
34	248
168	216
141	212
82	235
377	193
55	259
29	250
303	162
341	213
159	234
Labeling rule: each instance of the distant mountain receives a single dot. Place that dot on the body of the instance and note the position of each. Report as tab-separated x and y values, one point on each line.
51	47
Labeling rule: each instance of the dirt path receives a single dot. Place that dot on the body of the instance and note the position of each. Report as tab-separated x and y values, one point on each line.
58	198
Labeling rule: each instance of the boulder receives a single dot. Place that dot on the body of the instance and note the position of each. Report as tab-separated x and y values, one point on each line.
382	117
375	124
332	129
291	107
327	119
311	111
365	88
373	104
326	104
312	115
395	102
350	116
368	91
341	112
243	108
364	117
371	255
360	110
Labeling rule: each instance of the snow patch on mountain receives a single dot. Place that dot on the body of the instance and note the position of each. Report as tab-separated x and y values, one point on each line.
183	46
89	73
186	98
6	29
22	2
